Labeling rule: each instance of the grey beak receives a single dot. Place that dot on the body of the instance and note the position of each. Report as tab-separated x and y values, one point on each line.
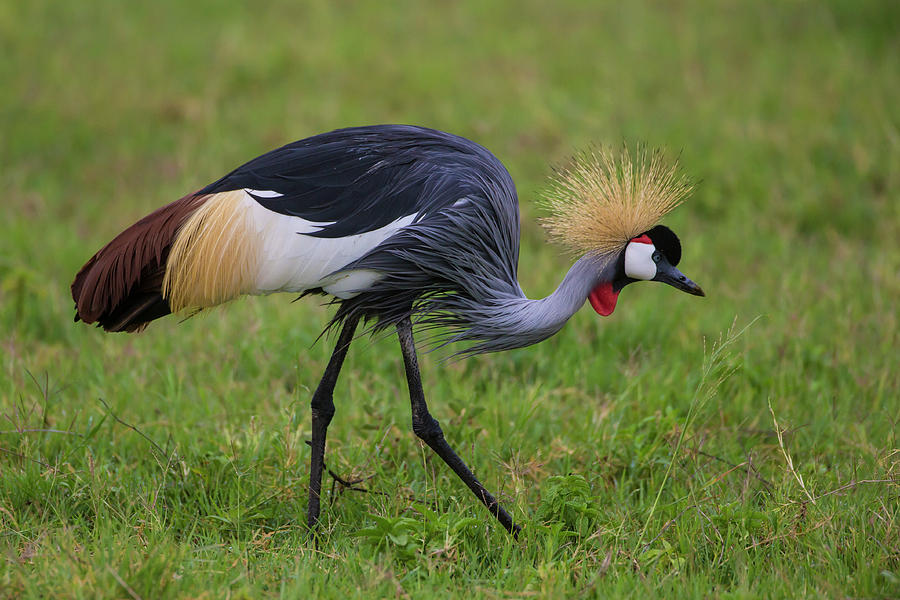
666	273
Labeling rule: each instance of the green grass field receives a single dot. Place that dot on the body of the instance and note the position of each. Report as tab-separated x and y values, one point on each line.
639	453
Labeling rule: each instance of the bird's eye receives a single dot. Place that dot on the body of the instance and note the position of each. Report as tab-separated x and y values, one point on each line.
657	257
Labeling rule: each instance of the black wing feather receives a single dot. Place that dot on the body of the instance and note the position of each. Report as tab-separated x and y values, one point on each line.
363	178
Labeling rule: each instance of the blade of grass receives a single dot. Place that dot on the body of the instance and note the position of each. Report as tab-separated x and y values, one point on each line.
712	377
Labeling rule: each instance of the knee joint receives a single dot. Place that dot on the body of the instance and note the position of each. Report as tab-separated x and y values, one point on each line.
427	429
322	413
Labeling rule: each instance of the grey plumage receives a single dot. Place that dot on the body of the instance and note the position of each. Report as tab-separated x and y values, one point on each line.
455	269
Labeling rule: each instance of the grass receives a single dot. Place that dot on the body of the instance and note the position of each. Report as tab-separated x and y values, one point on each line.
172	464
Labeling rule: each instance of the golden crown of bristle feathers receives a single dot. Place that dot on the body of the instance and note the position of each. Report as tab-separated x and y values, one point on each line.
603	199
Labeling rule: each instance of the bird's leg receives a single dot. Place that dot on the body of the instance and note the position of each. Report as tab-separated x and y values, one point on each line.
322	410
429	431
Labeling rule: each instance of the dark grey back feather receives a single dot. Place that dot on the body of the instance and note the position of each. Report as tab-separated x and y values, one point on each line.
449	267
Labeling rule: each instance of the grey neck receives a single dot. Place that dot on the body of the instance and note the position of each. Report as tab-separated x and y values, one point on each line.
586	274
520	321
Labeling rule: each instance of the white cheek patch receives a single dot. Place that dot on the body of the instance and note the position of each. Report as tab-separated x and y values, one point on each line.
639	261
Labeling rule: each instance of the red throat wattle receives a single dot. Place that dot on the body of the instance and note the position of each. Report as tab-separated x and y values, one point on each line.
603	299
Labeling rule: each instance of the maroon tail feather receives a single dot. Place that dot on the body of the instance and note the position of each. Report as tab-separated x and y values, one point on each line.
120	287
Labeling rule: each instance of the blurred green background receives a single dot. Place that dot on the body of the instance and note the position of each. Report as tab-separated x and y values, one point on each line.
785	113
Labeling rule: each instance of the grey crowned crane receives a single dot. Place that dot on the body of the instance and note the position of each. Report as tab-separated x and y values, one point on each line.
405	227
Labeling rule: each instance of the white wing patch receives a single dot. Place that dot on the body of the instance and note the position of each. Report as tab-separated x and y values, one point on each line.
291	261
350	283
264	193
